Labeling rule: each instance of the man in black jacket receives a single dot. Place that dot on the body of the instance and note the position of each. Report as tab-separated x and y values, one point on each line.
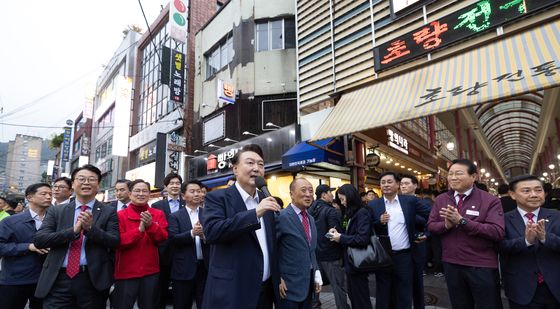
329	253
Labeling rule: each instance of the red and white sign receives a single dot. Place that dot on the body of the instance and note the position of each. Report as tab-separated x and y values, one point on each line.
179	19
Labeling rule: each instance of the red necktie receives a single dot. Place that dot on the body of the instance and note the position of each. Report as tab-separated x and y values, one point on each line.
73	265
305	222
460	203
530	216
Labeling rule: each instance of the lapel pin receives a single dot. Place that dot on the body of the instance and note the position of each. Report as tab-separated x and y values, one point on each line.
472	207
100	209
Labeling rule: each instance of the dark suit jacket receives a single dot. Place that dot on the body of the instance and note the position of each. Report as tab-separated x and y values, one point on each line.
19	265
295	254
164	248
57	233
521	263
411	207
184	260
236	260
357	235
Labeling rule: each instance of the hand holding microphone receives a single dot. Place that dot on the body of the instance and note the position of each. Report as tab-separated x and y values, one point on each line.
267	204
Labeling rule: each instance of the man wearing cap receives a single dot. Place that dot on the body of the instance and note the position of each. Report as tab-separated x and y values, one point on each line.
329	253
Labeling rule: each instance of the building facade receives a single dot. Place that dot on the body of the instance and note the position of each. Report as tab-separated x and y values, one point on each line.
111	116
245	86
23	166
162	96
419	83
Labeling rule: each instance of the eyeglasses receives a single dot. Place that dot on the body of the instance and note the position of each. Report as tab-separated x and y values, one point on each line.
141	191
60	187
88	179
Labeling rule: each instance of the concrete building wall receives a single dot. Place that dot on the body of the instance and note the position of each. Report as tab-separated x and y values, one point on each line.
252	73
25	162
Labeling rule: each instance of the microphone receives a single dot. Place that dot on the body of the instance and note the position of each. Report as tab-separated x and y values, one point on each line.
261	185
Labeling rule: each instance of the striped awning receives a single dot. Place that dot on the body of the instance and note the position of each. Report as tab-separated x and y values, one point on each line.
518	64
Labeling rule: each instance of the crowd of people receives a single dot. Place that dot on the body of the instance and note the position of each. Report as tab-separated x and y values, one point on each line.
239	248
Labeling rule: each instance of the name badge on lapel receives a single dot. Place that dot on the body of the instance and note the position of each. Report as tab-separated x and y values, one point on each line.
472	212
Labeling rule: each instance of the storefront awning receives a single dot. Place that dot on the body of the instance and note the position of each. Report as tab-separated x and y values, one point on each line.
518	64
328	150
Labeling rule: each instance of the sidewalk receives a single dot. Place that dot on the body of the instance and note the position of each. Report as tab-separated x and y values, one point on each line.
435	294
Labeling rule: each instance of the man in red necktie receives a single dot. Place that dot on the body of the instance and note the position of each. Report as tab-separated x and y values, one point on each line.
78	271
470	223
531	248
297	241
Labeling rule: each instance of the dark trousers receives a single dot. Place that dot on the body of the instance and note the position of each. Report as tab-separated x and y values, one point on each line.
419	258
185	291
144	291
358	290
473	287
394	285
266	297
305	304
434	252
16	296
543	299
77	292
164	282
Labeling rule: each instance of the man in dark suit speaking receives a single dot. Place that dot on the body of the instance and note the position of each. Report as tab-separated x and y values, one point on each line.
239	225
78	271
531	248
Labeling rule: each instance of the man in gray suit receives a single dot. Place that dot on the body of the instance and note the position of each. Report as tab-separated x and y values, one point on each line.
78	271
297	241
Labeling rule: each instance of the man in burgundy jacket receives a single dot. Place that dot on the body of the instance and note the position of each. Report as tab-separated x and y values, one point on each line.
471	223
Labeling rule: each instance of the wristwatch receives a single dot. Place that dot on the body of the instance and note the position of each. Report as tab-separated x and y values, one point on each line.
462	222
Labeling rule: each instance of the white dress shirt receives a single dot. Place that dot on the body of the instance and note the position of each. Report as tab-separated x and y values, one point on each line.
193	215
466	193
526	220
251	202
120	205
396	226
38	220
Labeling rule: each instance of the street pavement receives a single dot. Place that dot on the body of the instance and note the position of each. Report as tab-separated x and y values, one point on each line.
435	294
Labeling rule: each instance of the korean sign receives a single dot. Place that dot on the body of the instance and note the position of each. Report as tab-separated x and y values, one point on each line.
226	92
177	76
397	141
66	144
179	20
467	22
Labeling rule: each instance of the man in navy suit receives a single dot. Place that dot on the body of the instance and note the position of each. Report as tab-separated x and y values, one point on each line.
297	241
21	260
170	204
188	268
122	193
239	225
395	215
81	235
531	248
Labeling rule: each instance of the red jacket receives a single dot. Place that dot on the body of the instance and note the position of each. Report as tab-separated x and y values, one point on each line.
137	255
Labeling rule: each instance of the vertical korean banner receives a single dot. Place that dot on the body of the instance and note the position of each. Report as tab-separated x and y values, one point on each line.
179	20
177	76
121	129
66	144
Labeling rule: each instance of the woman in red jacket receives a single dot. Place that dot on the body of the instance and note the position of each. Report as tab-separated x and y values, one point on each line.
142	228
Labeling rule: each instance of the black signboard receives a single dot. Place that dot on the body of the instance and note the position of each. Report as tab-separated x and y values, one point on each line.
467	22
177	76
